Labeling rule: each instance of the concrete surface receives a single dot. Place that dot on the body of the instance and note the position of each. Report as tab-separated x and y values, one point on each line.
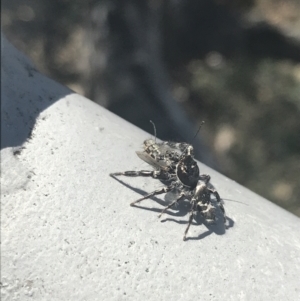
68	232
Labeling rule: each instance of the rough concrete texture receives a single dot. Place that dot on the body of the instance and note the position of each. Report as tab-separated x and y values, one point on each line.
68	232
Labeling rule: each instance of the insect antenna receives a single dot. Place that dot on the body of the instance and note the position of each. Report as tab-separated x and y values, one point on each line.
154	127
183	153
202	122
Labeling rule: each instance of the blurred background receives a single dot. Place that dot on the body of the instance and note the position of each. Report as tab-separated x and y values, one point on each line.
233	63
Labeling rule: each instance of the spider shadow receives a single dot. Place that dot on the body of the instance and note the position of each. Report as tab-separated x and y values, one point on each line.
182	209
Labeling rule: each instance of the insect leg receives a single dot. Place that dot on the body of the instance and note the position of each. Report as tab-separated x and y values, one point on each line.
220	202
141	173
155	192
170	205
189	224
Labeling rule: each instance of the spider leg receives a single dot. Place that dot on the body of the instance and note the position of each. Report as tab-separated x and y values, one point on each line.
189	224
155	192
141	173
207	211
205	178
170	205
220	203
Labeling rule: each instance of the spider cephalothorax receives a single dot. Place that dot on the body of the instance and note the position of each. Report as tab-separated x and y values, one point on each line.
174	164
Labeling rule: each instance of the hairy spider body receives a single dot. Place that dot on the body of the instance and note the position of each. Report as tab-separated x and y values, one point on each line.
174	164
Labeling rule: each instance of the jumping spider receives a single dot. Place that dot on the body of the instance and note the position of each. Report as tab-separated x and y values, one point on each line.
174	164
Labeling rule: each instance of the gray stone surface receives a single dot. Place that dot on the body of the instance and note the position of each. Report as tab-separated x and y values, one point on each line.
68	232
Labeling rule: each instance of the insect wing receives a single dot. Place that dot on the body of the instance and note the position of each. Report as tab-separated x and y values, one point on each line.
177	147
171	196
176	194
148	159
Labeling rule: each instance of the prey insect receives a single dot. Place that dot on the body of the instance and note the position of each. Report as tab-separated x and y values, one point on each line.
174	165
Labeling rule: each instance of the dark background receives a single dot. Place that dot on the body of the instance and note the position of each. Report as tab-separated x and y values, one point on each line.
234	64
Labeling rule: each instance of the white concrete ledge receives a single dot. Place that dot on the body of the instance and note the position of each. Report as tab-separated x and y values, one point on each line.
68	232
